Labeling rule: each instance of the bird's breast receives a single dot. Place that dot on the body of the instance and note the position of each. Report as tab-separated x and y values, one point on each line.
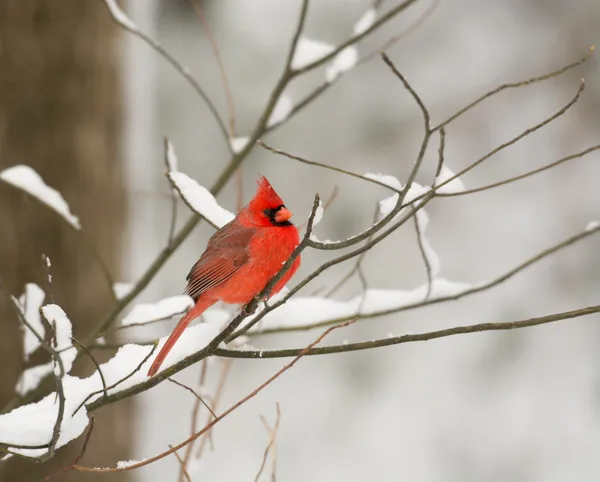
268	250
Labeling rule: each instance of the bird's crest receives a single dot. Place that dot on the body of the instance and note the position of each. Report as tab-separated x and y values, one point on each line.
266	195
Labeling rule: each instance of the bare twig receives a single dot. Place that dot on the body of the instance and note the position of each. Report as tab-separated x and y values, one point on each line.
194	419
432	335
509	143
512	85
167	145
198	397
129	26
441	151
94	361
217	53
325	166
424	256
524	175
220	417
357	266
118	382
181	465
80	455
271	443
217	399
356	38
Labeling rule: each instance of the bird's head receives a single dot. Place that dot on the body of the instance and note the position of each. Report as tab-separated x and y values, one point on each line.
267	208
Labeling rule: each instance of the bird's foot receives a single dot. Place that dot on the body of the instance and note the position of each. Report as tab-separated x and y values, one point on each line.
247	310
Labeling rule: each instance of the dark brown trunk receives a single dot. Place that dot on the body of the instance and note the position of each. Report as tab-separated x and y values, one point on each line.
59	114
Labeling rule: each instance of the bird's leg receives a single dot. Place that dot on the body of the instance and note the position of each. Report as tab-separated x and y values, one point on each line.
247	310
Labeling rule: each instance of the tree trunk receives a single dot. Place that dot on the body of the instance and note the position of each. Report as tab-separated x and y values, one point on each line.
59	114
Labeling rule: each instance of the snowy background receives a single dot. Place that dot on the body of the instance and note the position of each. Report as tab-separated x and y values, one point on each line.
518	406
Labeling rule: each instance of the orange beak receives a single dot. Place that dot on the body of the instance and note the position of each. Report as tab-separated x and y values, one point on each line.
283	214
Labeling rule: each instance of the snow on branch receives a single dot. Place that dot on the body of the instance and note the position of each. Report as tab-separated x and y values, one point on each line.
120	16
26	179
365	22
343	62
29	304
166	308
281	111
308	51
32	425
62	333
454	186
301	310
199	199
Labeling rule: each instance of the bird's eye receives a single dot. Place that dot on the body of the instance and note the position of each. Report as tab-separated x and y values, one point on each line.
269	212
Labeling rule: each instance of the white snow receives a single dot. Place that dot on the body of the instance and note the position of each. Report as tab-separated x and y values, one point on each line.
165	308
30	302
342	62
309	51
121	464
121	290
172	161
365	22
199	199
32	424
239	143
386	179
318	214
592	225
453	186
31	377
282	110
26	179
120	16
315	309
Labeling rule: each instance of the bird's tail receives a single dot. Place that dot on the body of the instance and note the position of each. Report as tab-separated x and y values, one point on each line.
202	305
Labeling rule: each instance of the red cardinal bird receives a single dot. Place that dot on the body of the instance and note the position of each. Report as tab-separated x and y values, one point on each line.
240	259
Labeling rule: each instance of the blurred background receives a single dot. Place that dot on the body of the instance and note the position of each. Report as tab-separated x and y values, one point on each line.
88	106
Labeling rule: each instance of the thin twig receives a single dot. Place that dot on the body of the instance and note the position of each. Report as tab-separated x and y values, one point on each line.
198	397
407	86
441	151
357	268
181	465
220	417
356	38
94	361
80	455
182	70
271	443
325	166
509	143
524	175
118	382
512	85
431	335
173	223
217	399
326	205
424	256
194	419
217	53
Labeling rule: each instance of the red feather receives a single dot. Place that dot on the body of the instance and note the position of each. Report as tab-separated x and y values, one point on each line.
239	260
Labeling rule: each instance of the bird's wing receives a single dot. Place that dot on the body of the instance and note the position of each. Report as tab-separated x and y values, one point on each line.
225	254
